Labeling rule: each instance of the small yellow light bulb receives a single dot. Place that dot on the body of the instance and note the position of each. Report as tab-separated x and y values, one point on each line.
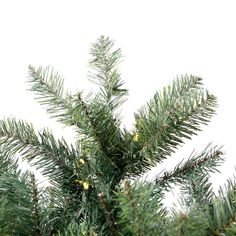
81	161
136	136
86	185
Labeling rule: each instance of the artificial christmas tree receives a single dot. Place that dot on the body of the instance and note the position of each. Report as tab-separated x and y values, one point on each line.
93	185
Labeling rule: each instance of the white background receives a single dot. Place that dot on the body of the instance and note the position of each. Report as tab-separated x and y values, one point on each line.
159	40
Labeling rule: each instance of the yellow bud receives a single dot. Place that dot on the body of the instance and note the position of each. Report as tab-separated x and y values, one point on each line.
81	161
86	185
136	136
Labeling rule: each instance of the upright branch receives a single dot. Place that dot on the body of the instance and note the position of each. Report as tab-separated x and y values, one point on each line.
105	73
48	86
171	116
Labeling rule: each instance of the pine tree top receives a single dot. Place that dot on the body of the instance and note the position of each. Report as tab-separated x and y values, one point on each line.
93	188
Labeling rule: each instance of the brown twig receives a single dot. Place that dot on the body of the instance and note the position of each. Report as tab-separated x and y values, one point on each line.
108	213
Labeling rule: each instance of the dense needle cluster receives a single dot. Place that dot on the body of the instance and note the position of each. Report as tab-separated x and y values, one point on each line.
93	184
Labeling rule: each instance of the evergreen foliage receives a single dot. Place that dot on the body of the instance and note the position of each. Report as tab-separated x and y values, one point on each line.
93	185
